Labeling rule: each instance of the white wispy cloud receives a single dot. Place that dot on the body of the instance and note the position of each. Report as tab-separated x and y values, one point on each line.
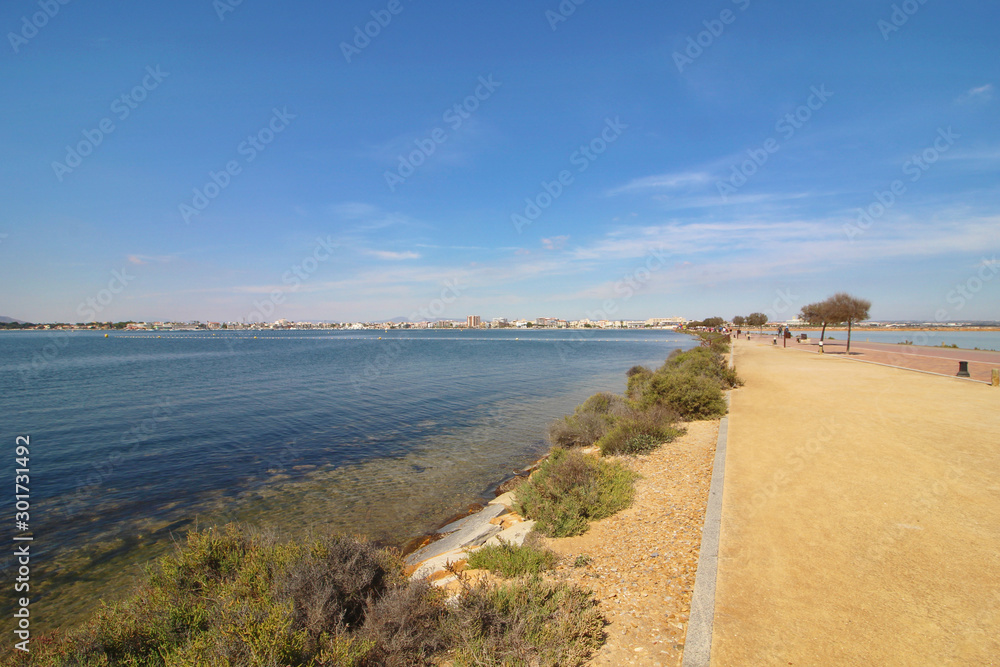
670	181
555	243
139	260
977	94
392	255
363	217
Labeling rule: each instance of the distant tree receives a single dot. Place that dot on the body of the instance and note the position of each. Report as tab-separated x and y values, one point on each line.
713	322
757	320
850	309
739	320
820	314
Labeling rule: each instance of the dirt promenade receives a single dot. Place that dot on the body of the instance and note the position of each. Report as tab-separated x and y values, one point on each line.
861	516
941	360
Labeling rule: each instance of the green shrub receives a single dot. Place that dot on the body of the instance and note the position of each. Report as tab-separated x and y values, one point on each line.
509	560
405	626
600	403
591	420
570	489
331	588
640	432
717	342
526	622
705	362
638	381
578	430
636	436
692	396
237	597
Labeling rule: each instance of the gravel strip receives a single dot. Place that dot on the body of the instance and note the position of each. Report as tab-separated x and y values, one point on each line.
642	561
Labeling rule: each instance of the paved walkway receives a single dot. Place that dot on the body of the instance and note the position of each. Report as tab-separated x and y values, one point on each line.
943	360
861	516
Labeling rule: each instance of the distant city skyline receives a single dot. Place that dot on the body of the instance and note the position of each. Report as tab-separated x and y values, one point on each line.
361	162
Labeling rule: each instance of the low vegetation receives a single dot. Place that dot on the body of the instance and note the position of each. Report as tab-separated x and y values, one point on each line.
526	622
242	597
570	489
688	386
509	560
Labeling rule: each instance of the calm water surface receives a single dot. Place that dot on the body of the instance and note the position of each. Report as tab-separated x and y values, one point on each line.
139	437
984	340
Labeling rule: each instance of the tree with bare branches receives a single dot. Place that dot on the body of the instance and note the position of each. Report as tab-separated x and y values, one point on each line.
850	309
820	314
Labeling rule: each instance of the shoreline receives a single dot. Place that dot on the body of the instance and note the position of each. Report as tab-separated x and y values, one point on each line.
640	564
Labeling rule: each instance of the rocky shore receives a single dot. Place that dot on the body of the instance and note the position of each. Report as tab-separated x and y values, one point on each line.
640	563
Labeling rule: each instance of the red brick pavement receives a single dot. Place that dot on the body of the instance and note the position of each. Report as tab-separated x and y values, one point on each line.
915	357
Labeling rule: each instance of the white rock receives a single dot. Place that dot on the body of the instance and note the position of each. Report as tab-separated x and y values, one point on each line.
505	499
514	535
438	563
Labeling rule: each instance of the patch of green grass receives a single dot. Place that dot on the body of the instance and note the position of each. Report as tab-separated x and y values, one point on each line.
569	490
509	560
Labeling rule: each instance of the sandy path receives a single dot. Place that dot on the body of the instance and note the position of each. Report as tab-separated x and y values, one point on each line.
643	560
861	516
931	359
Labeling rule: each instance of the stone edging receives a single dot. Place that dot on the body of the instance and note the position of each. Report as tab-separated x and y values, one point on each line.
698	642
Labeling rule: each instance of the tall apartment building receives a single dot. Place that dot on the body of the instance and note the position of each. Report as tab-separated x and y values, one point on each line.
473	321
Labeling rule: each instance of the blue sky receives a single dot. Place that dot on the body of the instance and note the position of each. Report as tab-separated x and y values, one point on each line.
621	159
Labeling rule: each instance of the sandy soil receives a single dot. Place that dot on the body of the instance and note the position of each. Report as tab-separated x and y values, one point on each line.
642	561
861	516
